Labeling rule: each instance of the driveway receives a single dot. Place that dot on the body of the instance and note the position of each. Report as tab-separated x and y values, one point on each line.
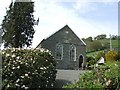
65	77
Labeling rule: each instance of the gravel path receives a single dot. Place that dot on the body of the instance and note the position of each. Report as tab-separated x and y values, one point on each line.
65	77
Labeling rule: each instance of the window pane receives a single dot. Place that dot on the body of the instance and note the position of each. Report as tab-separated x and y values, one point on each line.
72	53
59	51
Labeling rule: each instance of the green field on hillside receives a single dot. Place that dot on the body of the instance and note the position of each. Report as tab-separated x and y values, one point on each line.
103	41
114	42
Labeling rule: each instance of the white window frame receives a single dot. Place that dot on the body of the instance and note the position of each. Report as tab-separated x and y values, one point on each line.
70	49
60	45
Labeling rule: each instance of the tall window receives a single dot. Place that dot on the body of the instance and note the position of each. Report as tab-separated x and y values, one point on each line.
72	53
59	51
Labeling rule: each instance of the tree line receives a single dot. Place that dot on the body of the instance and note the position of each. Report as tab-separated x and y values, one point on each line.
100	37
100	42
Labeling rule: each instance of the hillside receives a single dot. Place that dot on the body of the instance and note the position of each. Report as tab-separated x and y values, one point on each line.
102	44
105	43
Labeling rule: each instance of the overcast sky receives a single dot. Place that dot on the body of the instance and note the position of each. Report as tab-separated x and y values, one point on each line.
85	17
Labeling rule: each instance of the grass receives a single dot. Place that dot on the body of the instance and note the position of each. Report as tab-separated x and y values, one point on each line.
114	43
93	53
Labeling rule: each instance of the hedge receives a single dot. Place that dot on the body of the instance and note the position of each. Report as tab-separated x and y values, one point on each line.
27	68
104	77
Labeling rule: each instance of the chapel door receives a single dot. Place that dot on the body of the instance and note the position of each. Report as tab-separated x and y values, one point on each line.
80	61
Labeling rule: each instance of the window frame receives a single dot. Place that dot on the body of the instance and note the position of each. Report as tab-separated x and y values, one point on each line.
61	50
71	47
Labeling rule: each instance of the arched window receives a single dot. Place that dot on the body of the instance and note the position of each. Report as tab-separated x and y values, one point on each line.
72	53
59	51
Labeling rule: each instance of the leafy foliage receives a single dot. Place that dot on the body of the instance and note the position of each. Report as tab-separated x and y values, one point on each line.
111	56
99	55
17	25
102	36
102	77
96	45
28	69
93	60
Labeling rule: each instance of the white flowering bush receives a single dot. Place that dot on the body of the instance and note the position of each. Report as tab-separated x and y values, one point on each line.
27	68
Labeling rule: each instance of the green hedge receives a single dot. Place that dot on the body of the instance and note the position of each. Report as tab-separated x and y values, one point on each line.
27	68
104	77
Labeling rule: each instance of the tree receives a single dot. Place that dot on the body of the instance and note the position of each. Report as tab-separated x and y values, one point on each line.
114	37
89	39
95	45
18	25
102	36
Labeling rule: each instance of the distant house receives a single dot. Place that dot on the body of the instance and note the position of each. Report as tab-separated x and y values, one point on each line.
69	51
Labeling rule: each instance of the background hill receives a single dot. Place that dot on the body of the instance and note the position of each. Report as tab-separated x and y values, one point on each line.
100	43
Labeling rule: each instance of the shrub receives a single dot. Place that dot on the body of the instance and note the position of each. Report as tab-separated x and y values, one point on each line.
90	61
111	56
103	77
93	60
27	68
89	58
99	55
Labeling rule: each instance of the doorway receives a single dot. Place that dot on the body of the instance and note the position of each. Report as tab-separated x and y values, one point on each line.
80	61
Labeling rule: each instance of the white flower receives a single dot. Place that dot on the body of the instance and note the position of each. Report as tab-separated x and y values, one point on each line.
52	84
47	50
13	67
7	55
3	52
8	85
45	68
13	49
22	76
42	50
41	68
21	62
26	87
26	74
18	57
33	73
29	72
18	67
13	55
17	80
9	64
116	65
23	86
18	48
26	63
17	84
108	82
33	61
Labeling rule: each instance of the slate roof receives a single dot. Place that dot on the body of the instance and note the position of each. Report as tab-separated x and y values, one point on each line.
64	28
